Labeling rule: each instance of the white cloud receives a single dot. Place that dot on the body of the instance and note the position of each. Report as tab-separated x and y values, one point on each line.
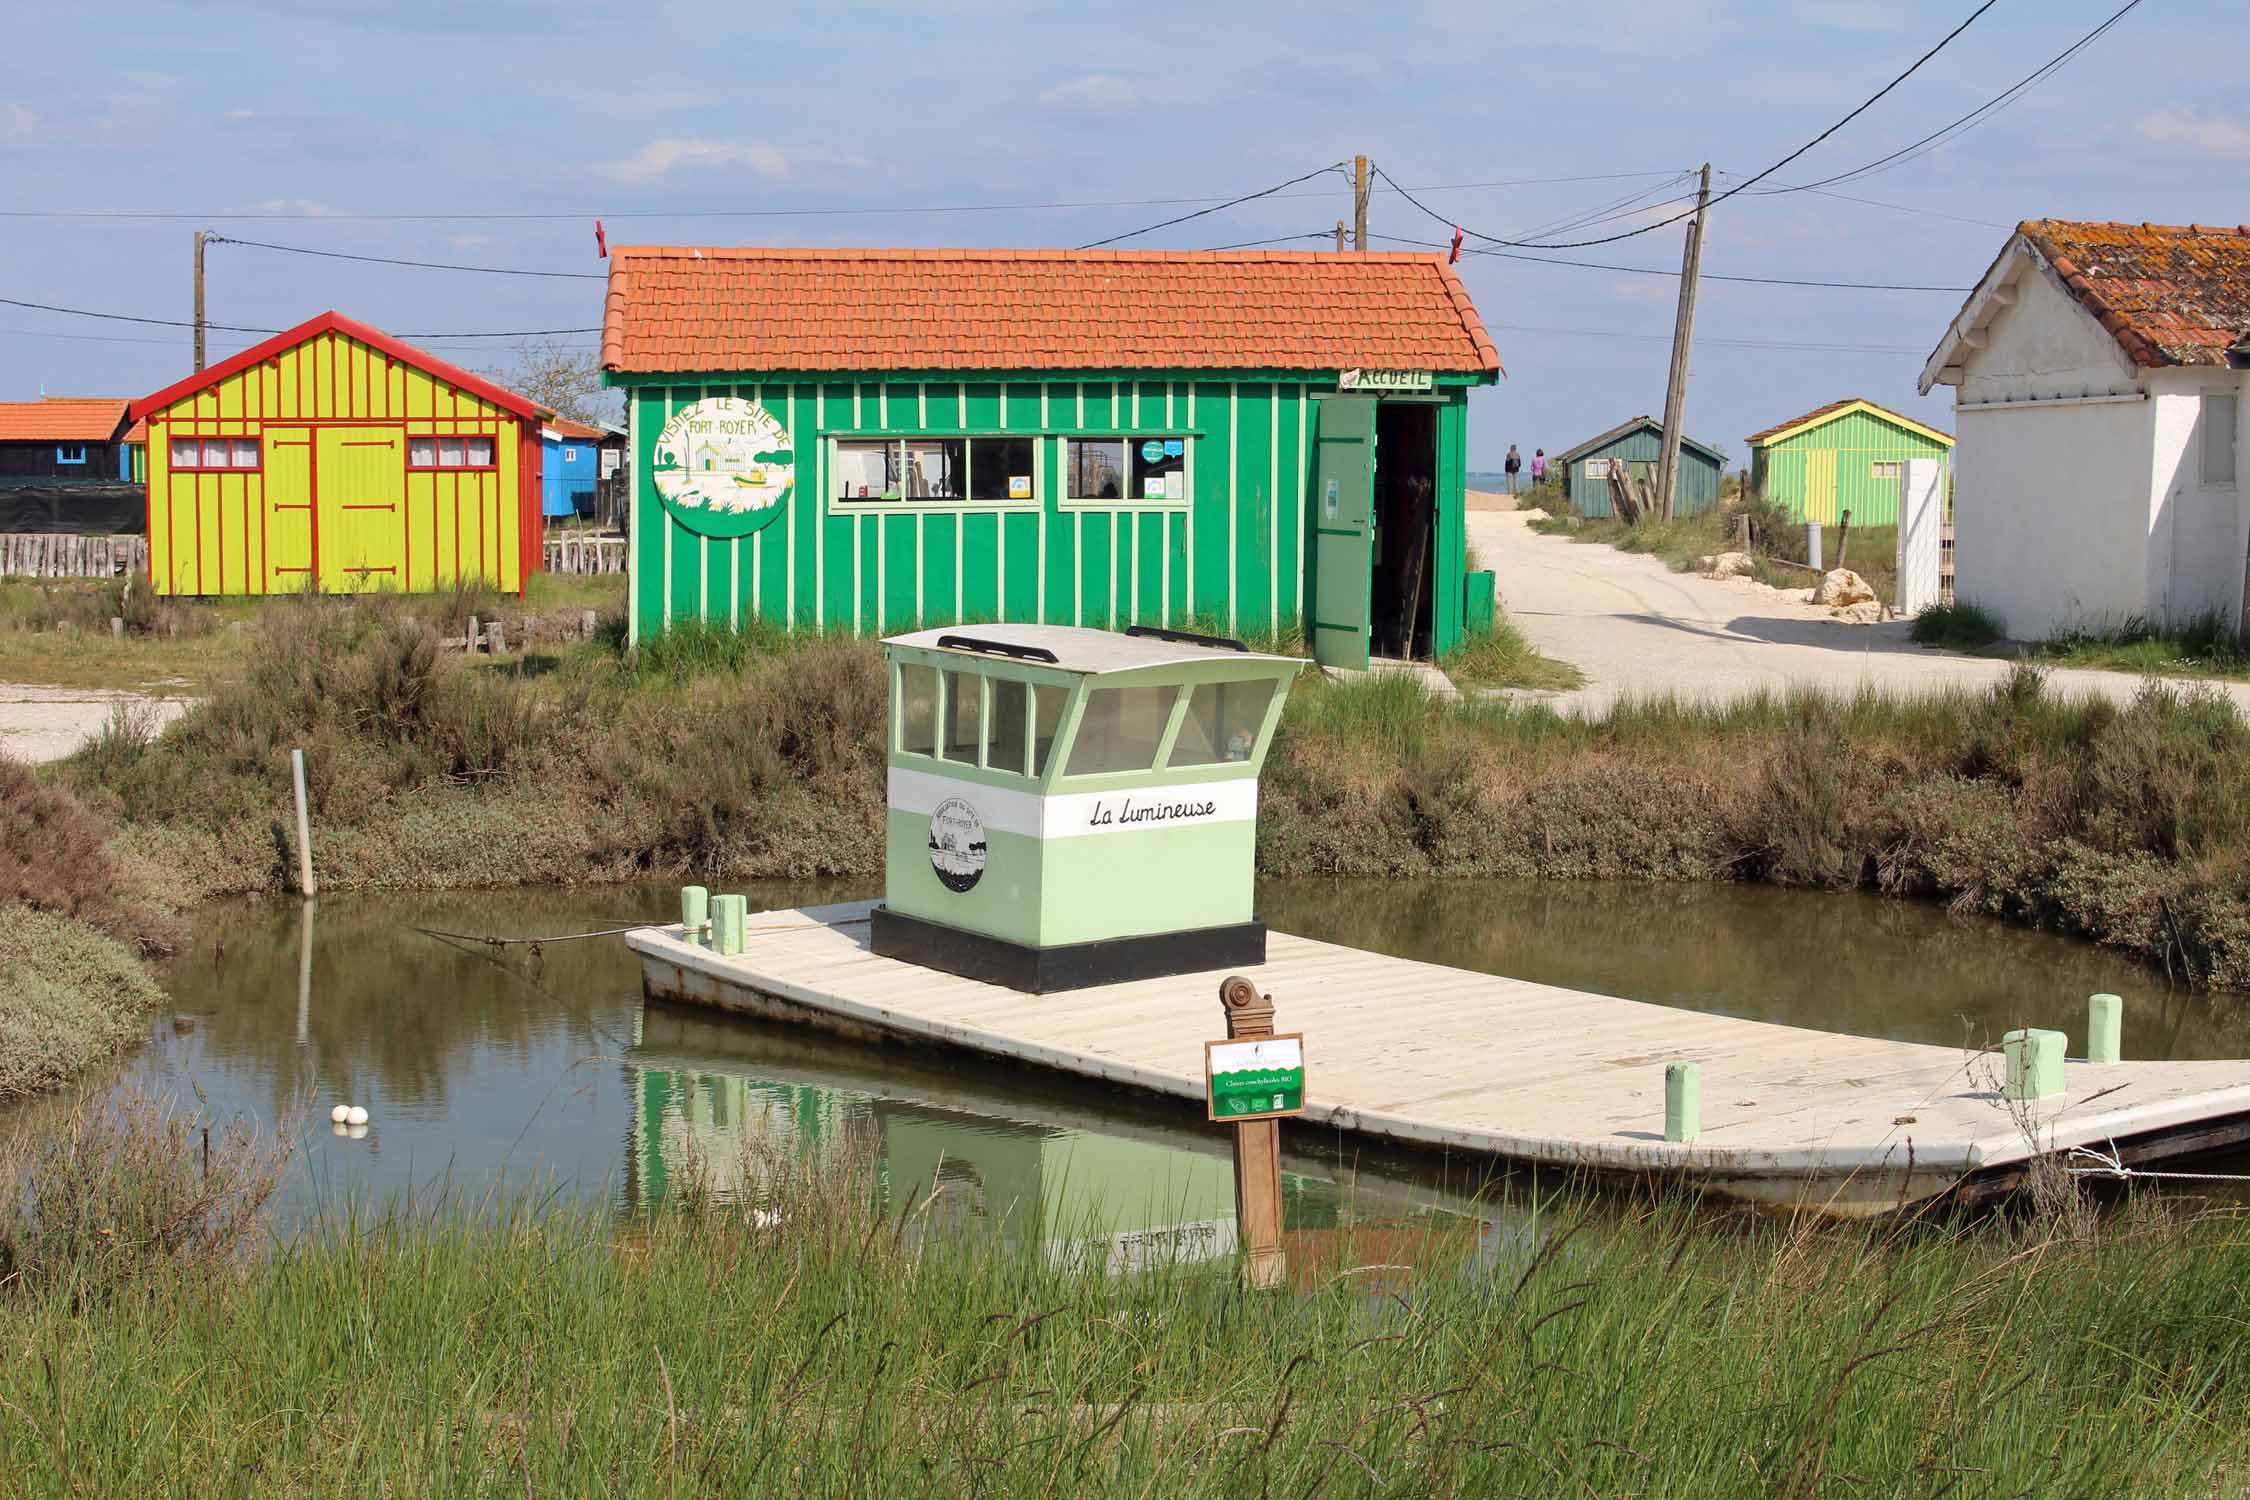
657	160
2182	129
18	125
1094	94
310	208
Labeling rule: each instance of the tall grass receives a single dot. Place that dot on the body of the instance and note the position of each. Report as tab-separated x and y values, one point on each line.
2206	646
813	1343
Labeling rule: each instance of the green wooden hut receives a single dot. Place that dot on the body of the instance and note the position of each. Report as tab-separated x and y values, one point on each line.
870	440
1639	443
1848	455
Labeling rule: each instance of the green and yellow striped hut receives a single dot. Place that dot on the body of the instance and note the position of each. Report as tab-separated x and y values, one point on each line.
1849	455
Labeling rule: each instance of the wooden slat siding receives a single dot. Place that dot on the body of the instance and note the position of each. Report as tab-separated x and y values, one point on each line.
42	554
1441	1057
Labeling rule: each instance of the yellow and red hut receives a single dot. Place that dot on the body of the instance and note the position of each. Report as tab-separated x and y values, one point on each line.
338	458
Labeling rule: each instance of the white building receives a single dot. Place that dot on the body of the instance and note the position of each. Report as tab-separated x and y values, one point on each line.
2100	374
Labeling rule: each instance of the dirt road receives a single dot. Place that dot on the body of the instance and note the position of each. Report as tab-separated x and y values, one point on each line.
1637	629
48	723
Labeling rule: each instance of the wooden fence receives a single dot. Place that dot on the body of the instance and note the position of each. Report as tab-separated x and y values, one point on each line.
585	554
43	554
1945	564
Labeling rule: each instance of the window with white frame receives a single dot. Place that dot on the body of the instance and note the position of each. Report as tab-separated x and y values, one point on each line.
214	452
433	451
1886	468
2219	414
1126	470
992	469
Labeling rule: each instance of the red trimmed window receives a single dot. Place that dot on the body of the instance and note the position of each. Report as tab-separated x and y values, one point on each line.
429	451
215	454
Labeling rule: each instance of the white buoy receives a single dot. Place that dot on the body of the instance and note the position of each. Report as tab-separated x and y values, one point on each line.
337	1114
356	1115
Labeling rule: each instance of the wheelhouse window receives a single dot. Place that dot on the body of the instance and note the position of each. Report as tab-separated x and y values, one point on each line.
435	451
214	453
1120	729
1222	723
1151	468
977	470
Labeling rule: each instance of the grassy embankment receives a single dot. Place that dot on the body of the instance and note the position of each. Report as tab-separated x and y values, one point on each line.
1870	551
824	1345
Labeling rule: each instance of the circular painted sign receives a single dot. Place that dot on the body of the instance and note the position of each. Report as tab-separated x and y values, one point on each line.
956	844
1152	451
724	466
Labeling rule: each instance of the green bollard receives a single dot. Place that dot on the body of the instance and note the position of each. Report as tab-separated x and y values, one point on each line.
695	913
1683	1101
2035	1063
2105	1029
728	914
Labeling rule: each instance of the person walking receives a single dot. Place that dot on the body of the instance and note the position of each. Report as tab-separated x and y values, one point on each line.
1514	466
1539	468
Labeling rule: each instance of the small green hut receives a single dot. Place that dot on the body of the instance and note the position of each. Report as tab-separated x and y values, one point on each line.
1849	455
863	440
1639	444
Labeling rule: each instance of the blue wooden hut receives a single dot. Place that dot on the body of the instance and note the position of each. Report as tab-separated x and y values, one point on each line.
1638	443
573	457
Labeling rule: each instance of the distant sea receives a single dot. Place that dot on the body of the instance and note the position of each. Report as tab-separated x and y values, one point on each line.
1487	479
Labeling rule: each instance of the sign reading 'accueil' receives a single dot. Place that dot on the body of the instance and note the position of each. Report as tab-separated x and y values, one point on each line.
1385	380
1256	1079
724	466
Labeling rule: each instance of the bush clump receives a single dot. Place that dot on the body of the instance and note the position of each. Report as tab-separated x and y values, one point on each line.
68	998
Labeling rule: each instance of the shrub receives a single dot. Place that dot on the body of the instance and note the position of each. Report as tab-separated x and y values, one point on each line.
1960	625
68	997
55	857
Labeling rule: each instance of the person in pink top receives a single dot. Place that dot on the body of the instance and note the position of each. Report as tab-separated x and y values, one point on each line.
1539	466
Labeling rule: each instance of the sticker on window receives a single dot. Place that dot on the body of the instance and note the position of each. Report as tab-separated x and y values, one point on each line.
1332	502
1152	451
1019	486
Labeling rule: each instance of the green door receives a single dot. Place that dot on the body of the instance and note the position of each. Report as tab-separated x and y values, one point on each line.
1343	530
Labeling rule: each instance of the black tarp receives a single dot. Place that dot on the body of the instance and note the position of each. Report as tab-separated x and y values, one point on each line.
93	509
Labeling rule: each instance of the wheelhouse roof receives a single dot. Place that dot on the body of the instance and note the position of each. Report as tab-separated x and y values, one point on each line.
351	328
1082	649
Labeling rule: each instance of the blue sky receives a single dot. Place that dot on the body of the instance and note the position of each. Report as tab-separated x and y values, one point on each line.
650	114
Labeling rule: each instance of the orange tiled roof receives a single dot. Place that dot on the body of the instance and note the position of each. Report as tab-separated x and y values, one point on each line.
577	431
679	309
61	419
137	433
2170	294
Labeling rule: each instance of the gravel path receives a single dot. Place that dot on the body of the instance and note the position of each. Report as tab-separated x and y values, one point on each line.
48	723
1637	629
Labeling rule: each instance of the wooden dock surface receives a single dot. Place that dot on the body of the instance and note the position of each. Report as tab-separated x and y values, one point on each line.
1434	1056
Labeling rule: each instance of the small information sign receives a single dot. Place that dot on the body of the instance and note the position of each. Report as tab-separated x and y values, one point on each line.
1385	380
1258	1079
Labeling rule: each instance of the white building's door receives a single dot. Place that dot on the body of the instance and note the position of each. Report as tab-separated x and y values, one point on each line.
1921	512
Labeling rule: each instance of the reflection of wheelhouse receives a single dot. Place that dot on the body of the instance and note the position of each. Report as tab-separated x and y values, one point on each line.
1072	807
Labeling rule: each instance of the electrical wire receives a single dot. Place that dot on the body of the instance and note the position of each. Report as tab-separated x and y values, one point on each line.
389	260
80	312
750	213
1862	108
1969	121
1596	265
1132	234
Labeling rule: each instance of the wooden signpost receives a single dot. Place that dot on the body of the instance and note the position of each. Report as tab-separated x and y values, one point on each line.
1252	1079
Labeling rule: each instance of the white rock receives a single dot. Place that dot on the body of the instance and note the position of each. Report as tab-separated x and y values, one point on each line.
356	1115
1841	587
1724	564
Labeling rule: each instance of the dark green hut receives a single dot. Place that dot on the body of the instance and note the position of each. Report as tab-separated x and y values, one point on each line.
1640	443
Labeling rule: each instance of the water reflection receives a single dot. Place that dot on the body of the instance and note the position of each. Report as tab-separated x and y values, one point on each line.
488	1069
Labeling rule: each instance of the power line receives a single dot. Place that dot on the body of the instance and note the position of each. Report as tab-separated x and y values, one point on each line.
1899	208
1132	234
751	213
389	260
80	312
1596	265
1973	118
1861	109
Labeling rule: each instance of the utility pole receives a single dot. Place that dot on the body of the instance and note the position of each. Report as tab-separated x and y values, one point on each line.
1341	232
1359	204
199	299
1683	333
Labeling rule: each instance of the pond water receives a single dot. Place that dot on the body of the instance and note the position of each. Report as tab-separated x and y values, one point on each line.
494	1070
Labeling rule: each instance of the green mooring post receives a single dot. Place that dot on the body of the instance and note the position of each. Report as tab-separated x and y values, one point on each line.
2105	1029
695	913
2035	1063
727	914
1683	1101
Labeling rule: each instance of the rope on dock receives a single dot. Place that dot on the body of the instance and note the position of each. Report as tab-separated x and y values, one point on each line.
2110	1165
533	942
